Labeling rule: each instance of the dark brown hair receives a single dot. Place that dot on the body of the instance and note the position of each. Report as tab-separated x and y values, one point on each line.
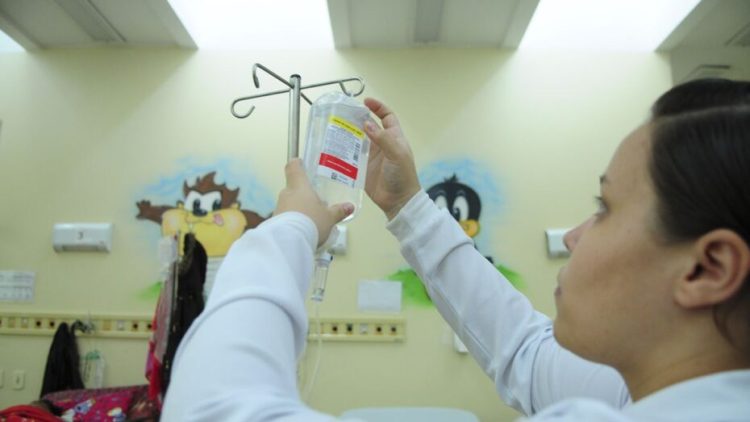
700	165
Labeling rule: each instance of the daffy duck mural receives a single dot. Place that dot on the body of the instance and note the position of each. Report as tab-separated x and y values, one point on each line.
461	201
209	210
464	204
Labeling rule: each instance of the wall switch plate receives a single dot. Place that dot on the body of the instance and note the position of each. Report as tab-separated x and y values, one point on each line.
339	245
2	377
555	243
459	345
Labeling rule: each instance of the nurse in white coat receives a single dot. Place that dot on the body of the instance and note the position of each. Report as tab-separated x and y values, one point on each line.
653	318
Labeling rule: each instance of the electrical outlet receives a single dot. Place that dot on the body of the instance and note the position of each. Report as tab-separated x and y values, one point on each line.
380	329
19	379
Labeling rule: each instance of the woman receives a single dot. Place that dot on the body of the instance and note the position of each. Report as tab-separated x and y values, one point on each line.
653	308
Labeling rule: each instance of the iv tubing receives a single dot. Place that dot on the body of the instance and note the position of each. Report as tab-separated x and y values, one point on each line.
310	383
322	262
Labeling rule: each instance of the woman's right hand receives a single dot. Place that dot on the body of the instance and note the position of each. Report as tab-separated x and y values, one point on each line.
391	173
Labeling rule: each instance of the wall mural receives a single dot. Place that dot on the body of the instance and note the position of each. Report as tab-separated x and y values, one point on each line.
218	202
466	188
193	201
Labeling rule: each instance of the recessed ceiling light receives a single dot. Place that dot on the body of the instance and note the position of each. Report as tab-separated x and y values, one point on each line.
8	44
634	25
256	24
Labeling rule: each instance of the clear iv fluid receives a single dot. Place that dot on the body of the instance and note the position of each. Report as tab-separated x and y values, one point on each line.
337	149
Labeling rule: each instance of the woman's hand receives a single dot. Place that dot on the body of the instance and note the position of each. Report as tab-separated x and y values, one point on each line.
391	173
298	195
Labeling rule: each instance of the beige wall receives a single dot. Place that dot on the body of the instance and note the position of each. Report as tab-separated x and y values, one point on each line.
84	130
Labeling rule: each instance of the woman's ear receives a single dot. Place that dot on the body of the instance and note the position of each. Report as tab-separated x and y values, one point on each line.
720	266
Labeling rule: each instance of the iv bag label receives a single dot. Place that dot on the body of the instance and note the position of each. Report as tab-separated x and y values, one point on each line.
342	144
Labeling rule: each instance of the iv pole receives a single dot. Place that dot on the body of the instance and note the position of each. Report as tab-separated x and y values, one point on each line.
294	88
295	92
323	258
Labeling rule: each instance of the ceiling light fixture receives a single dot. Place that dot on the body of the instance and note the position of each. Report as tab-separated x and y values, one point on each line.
257	24
7	44
629	25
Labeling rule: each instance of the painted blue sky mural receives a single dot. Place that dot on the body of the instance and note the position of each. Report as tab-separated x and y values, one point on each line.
234	173
221	200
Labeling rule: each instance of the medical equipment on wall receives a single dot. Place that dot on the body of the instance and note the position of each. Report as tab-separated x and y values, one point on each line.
336	148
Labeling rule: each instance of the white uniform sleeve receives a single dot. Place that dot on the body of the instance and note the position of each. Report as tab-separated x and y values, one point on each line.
237	362
577	410
512	342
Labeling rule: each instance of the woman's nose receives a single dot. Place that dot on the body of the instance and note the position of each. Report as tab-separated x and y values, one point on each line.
571	238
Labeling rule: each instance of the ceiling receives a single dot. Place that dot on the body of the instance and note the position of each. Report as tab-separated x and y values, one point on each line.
45	24
447	23
713	24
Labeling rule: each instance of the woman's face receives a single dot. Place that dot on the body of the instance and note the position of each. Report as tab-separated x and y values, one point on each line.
614	294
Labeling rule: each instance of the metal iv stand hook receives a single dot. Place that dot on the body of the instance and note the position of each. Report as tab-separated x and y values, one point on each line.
295	92
323	258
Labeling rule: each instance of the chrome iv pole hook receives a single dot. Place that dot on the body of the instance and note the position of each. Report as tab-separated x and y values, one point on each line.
294	90
256	81
340	82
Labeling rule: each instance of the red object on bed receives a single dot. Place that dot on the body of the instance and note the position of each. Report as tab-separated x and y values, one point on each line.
27	413
107	404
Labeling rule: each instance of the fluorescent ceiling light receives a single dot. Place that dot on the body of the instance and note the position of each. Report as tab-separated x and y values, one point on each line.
7	43
256	24
635	25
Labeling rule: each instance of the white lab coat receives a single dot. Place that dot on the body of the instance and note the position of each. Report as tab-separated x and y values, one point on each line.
237	362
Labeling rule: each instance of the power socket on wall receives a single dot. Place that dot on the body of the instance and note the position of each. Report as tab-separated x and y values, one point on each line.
379	329
19	379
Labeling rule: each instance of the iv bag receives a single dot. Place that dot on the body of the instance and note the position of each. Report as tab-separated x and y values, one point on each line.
337	149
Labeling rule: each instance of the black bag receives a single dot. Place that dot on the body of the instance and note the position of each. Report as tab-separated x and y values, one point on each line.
63	363
187	303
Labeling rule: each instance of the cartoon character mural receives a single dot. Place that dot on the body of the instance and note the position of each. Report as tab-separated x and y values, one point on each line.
462	200
209	210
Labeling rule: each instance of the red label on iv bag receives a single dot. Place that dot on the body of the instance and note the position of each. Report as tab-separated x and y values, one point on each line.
339	165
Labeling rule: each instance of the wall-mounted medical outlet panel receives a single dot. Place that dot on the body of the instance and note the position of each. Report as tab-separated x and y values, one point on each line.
75	237
373	329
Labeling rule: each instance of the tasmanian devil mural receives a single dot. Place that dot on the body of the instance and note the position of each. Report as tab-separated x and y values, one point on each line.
209	210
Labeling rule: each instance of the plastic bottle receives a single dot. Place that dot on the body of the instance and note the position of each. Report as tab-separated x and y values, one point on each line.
337	149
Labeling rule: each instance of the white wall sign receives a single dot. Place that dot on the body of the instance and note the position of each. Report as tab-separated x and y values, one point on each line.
17	286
